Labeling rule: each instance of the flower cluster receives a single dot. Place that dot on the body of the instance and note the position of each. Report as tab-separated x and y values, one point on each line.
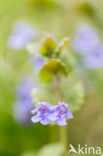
87	43
22	34
47	113
24	104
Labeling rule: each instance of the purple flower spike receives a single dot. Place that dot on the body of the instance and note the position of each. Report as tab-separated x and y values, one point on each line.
22	34
41	113
60	113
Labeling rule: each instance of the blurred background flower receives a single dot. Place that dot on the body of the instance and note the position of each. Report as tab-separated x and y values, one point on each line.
87	43
24	105
86	38
94	60
21	35
37	62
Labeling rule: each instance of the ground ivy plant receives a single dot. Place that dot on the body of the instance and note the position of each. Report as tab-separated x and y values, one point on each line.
59	94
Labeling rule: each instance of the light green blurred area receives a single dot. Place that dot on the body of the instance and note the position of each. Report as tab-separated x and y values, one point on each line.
60	18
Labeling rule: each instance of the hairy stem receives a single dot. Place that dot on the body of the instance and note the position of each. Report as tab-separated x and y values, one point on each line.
63	130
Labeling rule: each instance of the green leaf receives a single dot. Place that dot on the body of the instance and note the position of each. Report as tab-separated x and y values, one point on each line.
48	47
63	44
45	92
68	59
29	154
73	93
51	149
53	67
87	9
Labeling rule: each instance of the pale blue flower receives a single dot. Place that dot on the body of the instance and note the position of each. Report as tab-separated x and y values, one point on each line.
25	103
60	113
87	43
95	58
41	113
22	34
47	113
86	38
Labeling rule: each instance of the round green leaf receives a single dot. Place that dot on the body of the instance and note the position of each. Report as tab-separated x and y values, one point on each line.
53	67
48	47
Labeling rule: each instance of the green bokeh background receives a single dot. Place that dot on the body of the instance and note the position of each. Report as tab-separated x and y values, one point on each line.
59	18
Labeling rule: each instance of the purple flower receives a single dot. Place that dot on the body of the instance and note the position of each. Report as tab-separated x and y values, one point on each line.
37	63
24	89
25	103
95	58
22	34
60	113
86	38
46	114
41	113
87	43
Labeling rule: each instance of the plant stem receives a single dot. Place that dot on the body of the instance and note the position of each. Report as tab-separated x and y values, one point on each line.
64	139
53	133
63	130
